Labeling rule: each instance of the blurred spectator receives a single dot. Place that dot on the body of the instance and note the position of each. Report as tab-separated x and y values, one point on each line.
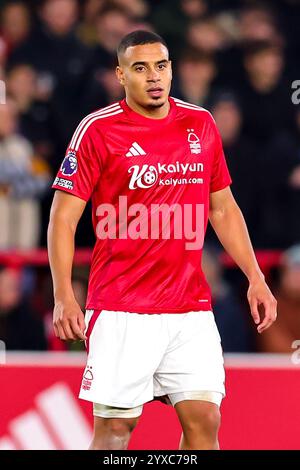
102	89
59	16
280	225
290	22
172	17
102	86
113	89
254	23
112	23
20	326
136	9
279	338
34	113
216	36
86	29
243	159
15	24
265	94
232	321
206	35
258	22
193	8
3	53
61	62
195	73
23	177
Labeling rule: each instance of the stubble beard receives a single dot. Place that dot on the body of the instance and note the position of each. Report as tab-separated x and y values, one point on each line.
156	104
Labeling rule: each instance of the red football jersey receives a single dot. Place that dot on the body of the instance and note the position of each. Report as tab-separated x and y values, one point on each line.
149	181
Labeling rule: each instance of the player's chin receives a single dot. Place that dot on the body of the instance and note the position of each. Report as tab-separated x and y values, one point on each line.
157	101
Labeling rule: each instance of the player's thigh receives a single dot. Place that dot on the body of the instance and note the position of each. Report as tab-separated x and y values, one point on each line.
114	420
198	416
108	426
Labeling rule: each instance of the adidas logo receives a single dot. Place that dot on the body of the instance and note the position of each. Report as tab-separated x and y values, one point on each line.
55	421
135	150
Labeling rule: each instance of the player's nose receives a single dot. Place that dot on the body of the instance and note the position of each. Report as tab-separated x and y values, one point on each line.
153	76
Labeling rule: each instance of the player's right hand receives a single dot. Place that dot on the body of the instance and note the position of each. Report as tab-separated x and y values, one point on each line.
68	321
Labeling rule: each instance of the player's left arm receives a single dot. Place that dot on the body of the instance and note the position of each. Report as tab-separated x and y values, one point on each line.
229	224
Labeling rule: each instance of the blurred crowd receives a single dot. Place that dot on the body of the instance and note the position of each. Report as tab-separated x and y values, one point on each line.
237	58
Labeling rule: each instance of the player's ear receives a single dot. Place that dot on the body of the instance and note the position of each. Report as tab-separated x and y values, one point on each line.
120	75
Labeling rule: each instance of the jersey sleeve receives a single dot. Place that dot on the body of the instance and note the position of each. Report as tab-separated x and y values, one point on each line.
220	176
81	166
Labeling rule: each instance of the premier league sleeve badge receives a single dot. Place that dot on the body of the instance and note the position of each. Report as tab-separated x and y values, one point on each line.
69	164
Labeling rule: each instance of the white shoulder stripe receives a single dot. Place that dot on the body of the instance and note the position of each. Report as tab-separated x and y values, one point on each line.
185	102
110	106
118	111
196	108
178	101
90	116
190	107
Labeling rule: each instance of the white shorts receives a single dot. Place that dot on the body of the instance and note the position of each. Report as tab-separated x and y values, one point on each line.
135	357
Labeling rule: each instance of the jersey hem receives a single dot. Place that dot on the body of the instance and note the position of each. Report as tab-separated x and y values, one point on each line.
70	191
220	187
124	308
110	402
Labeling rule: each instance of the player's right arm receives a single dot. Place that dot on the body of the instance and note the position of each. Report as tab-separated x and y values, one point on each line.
68	318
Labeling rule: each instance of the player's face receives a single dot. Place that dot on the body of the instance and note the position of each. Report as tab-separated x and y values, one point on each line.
145	72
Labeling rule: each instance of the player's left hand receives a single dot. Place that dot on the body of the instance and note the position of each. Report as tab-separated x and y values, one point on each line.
260	294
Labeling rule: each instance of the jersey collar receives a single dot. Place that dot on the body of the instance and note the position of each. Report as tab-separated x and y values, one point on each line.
139	118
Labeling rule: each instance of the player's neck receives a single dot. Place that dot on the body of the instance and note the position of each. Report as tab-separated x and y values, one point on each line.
154	113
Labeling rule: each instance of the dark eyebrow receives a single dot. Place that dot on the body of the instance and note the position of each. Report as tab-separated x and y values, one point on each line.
145	63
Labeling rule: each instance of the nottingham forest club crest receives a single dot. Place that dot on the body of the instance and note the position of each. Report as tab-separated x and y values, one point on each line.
69	164
194	142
